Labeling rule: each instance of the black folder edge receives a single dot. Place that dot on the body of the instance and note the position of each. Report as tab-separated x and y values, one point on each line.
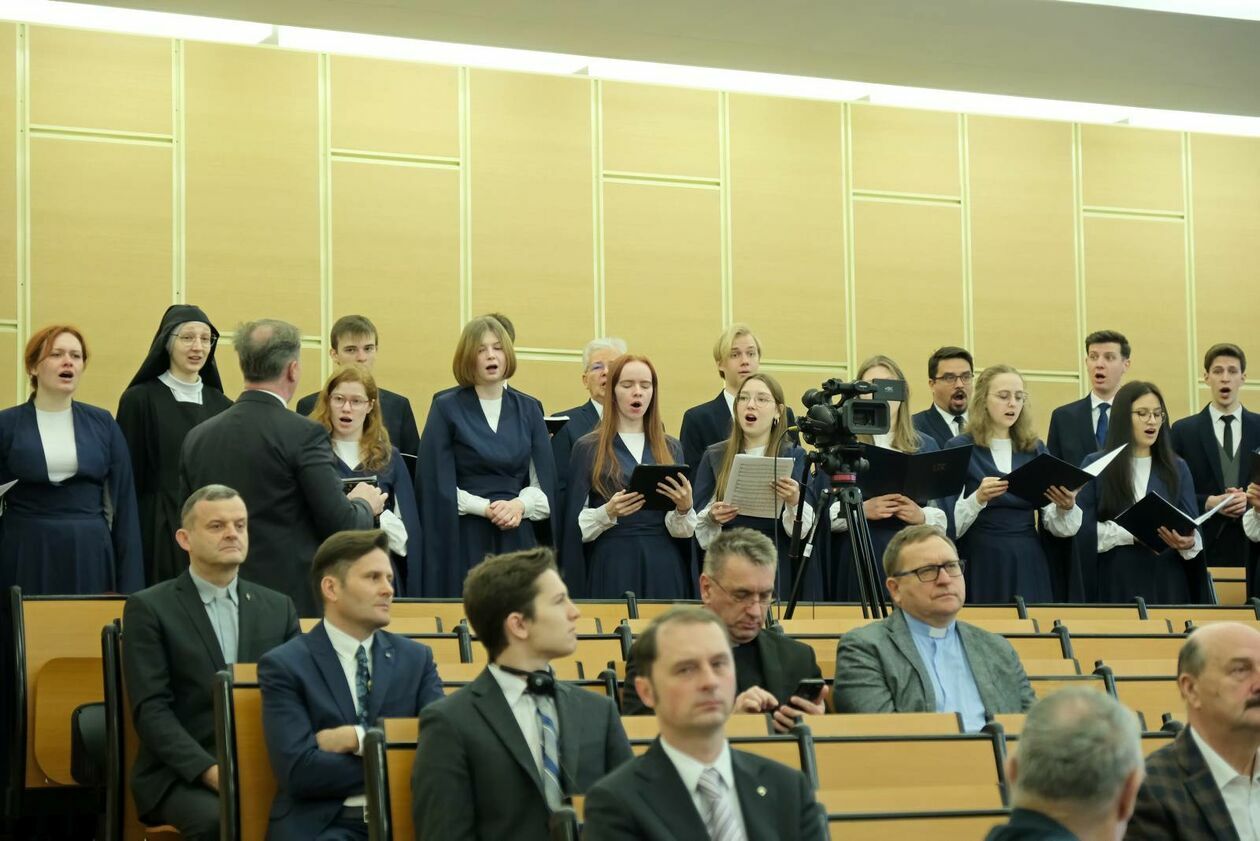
555	423
645	478
348	483
1057	472
1163	513
921	476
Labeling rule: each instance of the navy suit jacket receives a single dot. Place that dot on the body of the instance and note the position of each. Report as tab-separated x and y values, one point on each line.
400	421
1194	439
1072	435
304	690
930	423
582	419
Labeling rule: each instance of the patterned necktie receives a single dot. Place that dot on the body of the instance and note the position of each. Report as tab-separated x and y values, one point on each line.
1101	432
719	814
546	710
1228	420
362	684
225	616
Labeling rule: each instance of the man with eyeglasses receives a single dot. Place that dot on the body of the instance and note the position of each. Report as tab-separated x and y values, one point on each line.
597	358
950	372
921	659
1080	427
737	584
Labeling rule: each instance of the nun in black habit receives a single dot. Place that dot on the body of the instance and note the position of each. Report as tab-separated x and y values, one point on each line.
176	388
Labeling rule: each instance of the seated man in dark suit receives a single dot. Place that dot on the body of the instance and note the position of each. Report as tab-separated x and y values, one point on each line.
354	341
597	357
1202	787
279	461
949	377
177	635
690	784
921	659
1080	427
322	689
1076	770
1219	446
500	755
737	584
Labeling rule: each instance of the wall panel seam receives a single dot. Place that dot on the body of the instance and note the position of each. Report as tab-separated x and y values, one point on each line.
1133	213
894	196
396	158
139	138
662	180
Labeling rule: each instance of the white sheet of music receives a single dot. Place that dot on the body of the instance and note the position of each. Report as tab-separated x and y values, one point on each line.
749	489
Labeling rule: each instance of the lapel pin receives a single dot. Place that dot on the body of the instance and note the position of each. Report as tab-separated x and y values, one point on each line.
249	597
761	791
388	654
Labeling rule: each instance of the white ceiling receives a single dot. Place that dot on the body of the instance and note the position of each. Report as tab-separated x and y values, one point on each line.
1037	48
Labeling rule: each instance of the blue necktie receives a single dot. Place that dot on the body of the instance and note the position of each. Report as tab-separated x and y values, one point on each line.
362	684
552	789
1101	435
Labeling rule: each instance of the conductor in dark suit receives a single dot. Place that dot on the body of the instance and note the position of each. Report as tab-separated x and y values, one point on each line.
1080	427
177	634
279	461
1219	445
690	783
737	585
322	689
950	372
597	358
1201	787
500	755
354	341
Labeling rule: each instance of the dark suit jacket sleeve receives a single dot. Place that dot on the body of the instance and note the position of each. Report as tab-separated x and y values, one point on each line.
691	435
441	782
321	487
149	691
617	750
608	817
1054	438
301	768
430	689
860	686
410	441
813	817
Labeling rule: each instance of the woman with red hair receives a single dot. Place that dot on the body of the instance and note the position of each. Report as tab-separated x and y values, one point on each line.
612	541
70	523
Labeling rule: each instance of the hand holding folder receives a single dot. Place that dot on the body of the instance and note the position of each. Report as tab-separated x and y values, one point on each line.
1033	481
1152	513
653	480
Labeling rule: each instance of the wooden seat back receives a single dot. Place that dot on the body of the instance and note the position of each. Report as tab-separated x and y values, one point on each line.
246	782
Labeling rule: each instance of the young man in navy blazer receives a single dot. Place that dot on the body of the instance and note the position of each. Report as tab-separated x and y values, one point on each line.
321	690
950	372
1080	427
1219	445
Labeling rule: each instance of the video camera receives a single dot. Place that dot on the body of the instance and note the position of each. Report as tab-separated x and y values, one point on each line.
827	424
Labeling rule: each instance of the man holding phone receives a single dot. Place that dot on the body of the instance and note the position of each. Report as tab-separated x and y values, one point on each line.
773	673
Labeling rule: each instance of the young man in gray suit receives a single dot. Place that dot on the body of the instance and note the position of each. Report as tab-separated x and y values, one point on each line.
690	783
176	635
500	755
883	667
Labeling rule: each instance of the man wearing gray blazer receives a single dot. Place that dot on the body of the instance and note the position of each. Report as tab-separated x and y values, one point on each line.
921	659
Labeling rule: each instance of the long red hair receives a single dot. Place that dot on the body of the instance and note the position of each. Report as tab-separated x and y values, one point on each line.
605	472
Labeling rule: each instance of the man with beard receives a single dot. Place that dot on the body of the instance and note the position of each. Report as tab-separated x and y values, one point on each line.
950	372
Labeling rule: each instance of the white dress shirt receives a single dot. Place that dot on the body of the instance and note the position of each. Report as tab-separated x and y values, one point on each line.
182	392
690	770
1219	427
598	407
1111	534
61	453
1058	522
1251	525
1240	793
531	496
345	646
595	521
524	710
949	421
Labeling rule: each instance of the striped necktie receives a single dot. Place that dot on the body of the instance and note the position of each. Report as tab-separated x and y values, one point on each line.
720	814
546	710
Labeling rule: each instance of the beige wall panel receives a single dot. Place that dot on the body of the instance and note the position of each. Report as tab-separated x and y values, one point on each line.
395	106
101	251
532	238
557	383
909	281
1022	247
1226	240
662	256
100	80
252	183
1130	167
1135	282
905	151
1046	397
396	260
9	353
230	370
8	177
787	224
652	128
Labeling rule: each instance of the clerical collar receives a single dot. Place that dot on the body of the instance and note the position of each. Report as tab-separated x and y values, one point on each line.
923	629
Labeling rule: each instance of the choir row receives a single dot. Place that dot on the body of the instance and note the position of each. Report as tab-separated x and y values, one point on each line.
96	503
